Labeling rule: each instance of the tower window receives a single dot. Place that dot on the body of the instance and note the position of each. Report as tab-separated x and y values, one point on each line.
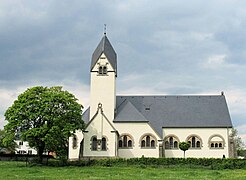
102	70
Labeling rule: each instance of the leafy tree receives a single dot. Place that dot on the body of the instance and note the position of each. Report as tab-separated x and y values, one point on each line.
239	145
7	146
46	118
184	146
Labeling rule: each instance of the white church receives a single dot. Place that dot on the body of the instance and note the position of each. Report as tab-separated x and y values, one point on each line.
149	125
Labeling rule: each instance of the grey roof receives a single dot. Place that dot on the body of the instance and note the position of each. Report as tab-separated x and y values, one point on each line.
105	47
127	113
172	111
180	111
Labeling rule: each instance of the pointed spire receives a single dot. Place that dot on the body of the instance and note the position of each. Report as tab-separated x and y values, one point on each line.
105	47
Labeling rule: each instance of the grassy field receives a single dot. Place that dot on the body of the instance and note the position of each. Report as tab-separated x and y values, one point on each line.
18	170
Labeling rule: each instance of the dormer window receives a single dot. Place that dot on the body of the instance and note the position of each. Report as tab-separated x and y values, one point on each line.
102	70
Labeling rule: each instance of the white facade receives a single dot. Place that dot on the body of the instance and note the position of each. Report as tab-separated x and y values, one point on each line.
128	133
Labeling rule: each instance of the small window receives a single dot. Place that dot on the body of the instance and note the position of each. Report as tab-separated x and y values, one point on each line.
194	141
102	70
129	143
148	141
216	142
94	144
120	143
171	142
104	145
21	143
29	152
125	141
152	143
143	143
175	144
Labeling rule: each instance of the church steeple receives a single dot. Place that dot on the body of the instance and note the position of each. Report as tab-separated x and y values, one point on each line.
105	47
103	79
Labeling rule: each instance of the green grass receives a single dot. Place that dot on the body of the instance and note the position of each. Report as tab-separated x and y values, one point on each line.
18	170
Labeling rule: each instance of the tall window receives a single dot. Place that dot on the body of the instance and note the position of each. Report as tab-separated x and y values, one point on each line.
104	144
125	141
195	141
148	141
171	142
216	142
94	144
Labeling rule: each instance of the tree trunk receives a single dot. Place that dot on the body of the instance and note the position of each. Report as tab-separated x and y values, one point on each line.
40	152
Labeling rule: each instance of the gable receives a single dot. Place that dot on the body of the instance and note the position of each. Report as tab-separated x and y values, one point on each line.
127	112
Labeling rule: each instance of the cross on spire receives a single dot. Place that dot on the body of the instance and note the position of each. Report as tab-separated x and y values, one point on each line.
105	29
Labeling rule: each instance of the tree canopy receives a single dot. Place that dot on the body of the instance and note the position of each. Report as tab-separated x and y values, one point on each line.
45	117
184	146
7	143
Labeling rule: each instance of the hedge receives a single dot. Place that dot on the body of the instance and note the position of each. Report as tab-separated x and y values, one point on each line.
210	163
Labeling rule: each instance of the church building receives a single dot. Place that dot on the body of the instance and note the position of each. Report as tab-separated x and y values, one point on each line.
147	125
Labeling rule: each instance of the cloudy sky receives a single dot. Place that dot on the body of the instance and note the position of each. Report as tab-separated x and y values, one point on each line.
163	47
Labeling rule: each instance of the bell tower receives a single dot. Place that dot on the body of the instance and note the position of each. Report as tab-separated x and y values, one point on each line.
103	79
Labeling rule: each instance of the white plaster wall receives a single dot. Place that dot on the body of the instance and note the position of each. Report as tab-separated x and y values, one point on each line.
103	89
137	130
101	128
73	153
204	134
24	147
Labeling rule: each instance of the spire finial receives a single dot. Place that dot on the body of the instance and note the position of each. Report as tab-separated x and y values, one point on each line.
105	29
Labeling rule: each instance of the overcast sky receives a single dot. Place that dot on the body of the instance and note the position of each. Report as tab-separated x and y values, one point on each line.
163	47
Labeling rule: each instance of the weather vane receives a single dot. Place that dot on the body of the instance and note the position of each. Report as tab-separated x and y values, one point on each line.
105	29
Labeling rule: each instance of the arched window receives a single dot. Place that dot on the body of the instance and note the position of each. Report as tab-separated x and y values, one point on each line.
175	144
152	143
125	141
143	143
195	141
129	143
104	70
198	144
171	142
167	145
75	142
120	143
104	144
148	141
100	70
216	142
94	144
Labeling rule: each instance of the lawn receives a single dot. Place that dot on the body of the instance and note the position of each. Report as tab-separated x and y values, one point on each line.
18	170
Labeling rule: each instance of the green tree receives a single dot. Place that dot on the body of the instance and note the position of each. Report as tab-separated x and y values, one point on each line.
238	143
45	118
7	143
184	146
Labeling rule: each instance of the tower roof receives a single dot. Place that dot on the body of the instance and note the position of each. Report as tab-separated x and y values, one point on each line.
105	47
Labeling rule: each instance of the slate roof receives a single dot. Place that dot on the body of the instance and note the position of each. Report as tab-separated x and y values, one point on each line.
172	111
105	47
179	111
